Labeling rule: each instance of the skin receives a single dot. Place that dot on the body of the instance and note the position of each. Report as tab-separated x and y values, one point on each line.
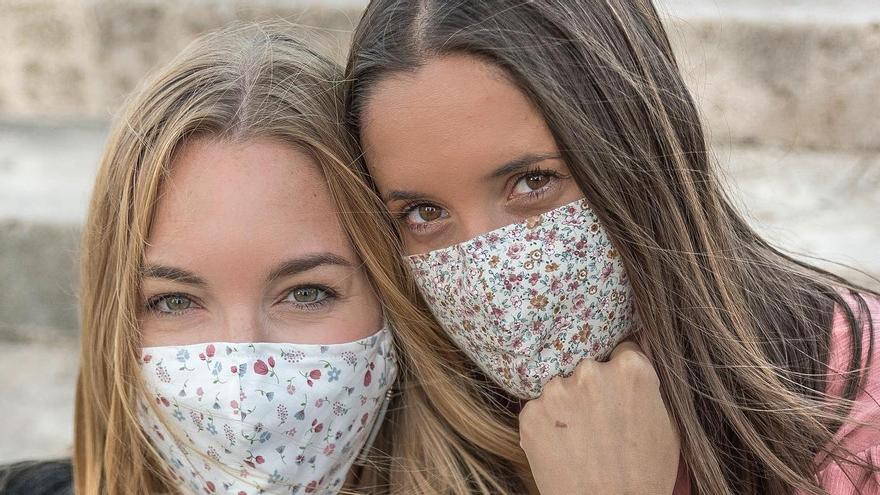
244	248
456	151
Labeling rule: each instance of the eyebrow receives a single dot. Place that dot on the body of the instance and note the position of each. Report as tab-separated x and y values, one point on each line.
173	274
306	263
520	164
285	269
516	165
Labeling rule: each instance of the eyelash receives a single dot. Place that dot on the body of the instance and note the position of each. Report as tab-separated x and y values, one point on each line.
538	193
533	195
154	301
312	306
331	295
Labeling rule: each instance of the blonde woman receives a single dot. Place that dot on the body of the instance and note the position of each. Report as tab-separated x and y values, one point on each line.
550	178
243	325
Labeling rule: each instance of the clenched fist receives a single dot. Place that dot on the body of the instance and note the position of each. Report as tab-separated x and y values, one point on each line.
604	430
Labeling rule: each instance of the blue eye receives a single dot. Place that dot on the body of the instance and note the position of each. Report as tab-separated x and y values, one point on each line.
171	304
309	297
307	294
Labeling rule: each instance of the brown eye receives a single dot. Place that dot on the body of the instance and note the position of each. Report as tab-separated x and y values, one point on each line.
532	182
537	181
425	213
429	213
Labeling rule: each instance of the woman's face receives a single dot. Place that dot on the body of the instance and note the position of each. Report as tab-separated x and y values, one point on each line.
246	246
457	150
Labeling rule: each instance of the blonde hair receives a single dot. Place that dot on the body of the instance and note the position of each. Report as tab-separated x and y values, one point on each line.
240	83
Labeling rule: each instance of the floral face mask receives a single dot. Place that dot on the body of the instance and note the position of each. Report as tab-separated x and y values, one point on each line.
266	418
529	301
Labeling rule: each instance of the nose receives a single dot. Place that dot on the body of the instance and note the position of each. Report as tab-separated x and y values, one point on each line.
478	221
245	324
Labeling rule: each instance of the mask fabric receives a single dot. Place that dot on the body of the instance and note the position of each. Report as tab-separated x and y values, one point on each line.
244	418
529	301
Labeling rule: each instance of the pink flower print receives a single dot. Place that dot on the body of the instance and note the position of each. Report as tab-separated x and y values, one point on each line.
534	278
291	388
164	401
316	426
566	358
328	450
368	376
311	487
271	361
260	367
233	369
312	376
209	487
319	403
200	392
210	350
514	251
148	358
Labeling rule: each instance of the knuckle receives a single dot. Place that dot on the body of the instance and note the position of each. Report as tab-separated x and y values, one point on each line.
527	414
587	376
553	389
586	371
632	362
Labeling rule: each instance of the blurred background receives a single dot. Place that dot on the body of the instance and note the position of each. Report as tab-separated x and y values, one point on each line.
789	91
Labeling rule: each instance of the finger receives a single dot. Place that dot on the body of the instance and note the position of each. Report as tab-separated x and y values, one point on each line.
629	355
627	346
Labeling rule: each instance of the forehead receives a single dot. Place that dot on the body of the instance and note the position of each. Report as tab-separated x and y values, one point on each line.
260	196
457	109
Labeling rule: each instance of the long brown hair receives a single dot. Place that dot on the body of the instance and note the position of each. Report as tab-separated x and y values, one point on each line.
237	84
738	330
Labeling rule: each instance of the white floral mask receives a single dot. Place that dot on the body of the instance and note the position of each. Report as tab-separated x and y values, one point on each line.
266	418
529	301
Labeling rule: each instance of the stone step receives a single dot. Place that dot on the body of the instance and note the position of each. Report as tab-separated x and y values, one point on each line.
799	73
39	386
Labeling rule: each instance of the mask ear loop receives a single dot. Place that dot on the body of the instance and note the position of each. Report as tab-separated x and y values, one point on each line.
374	431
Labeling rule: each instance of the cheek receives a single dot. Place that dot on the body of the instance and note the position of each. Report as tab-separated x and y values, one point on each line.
363	314
571	192
156	331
